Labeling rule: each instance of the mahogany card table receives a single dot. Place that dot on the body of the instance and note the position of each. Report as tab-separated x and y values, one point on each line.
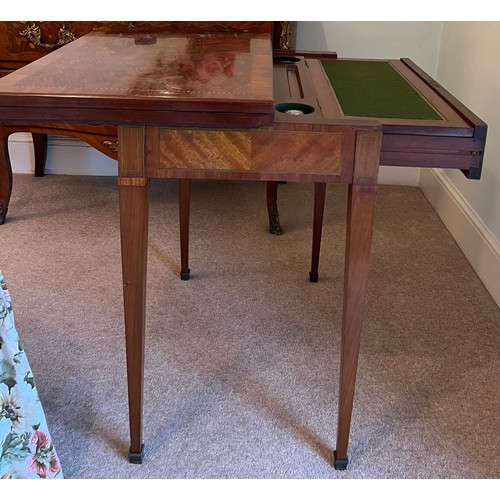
217	106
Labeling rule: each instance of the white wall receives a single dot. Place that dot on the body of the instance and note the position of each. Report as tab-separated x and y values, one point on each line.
469	67
375	39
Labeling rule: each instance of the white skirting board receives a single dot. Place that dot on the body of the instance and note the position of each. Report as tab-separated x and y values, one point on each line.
68	156
479	245
65	156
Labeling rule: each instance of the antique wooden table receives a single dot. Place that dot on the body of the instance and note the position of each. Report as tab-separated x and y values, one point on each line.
208	107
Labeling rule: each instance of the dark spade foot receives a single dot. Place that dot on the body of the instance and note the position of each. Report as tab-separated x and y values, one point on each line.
339	463
136	457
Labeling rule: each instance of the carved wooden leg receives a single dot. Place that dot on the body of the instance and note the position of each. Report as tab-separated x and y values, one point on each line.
184	208
272	208
360	216
5	175
319	208
134	207
40	148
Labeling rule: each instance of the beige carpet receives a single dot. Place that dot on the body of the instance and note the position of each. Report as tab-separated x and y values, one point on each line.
242	361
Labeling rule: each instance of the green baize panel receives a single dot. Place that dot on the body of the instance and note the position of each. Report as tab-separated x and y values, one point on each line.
376	89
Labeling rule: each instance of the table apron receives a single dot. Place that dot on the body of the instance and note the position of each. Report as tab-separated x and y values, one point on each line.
250	154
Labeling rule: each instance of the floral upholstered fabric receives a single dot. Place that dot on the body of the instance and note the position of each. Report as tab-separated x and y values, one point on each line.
26	449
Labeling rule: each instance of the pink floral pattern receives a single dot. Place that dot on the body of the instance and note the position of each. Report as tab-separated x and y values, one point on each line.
43	461
26	448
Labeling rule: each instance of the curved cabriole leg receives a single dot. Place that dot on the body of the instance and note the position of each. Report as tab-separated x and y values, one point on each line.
184	202
5	175
272	208
319	208
40	148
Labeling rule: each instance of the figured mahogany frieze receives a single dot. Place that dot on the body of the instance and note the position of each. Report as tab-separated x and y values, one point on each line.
250	151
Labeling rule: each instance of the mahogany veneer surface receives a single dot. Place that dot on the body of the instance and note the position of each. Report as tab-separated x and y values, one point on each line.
216	78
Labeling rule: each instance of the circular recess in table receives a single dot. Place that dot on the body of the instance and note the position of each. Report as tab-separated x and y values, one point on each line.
294	108
286	59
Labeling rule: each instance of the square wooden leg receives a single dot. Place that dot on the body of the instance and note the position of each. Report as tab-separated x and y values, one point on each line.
360	217
134	207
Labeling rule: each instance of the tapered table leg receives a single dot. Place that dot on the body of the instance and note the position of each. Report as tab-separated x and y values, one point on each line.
360	216
319	208
134	207
184	208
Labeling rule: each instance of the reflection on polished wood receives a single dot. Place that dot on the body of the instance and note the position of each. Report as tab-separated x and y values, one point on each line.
216	77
